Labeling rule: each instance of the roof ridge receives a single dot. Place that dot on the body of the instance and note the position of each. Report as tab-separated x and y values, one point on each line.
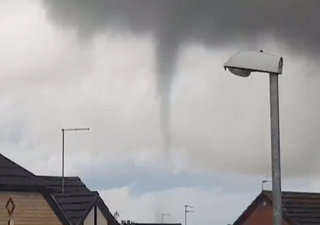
72	184
58	177
74	194
250	208
106	212
20	167
292	192
263	196
15	177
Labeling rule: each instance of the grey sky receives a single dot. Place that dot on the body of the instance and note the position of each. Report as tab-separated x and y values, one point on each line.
219	25
215	116
141	180
212	22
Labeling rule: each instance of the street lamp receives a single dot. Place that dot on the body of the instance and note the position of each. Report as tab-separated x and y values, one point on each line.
263	182
63	131
242	64
164	214
187	211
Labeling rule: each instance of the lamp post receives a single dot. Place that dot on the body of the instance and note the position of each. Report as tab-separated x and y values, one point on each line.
63	131
187	211
164	214
263	182
242	64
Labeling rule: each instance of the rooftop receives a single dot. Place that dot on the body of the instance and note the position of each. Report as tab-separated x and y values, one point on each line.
15	177
71	184
71	207
75	206
299	208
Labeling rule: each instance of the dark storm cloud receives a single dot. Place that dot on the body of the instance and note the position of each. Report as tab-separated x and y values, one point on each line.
174	23
214	22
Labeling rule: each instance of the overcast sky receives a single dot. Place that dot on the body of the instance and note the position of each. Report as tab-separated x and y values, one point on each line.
98	64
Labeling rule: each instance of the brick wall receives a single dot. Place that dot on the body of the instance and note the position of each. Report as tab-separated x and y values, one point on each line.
263	215
30	209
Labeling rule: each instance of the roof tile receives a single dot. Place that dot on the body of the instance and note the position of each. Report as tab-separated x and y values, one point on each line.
13	176
71	207
75	205
301	207
71	184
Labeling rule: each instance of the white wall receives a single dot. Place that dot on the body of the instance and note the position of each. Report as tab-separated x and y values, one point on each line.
100	218
90	218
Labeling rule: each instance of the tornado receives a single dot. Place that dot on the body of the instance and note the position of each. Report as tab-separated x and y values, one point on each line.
166	57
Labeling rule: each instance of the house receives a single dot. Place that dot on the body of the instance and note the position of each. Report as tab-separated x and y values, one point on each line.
29	199
123	222
299	208
157	223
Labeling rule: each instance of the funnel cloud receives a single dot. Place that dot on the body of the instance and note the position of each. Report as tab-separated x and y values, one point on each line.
216	24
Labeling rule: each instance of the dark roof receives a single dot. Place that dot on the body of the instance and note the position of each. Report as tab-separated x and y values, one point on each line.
15	178
71	184
71	207
157	223
75	206
134	223
299	208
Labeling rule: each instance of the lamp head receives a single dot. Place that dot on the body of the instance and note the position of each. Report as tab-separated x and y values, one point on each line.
239	72
245	62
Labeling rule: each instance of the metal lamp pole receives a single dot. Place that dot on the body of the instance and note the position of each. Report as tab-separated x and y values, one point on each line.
187	211
242	64
63	131
275	149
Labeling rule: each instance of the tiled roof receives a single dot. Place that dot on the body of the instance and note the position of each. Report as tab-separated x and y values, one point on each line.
134	223
71	184
15	177
75	206
71	207
299	208
302	208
